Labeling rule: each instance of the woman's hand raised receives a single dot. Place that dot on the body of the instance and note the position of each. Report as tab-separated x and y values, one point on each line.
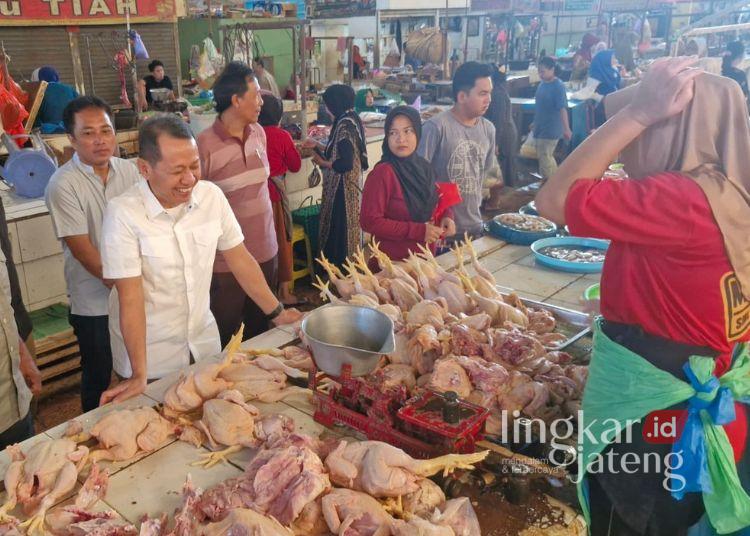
666	90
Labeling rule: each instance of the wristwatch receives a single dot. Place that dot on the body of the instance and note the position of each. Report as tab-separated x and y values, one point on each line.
276	312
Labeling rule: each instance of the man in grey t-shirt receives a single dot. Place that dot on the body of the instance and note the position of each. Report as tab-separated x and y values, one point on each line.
76	196
460	143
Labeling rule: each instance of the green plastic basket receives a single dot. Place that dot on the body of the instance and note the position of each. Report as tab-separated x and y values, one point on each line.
308	216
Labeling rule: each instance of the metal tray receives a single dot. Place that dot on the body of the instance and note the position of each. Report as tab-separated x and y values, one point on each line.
576	326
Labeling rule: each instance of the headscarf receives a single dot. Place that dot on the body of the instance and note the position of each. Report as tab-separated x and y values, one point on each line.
415	174
357	57
48	74
709	142
360	101
588	41
339	99
601	69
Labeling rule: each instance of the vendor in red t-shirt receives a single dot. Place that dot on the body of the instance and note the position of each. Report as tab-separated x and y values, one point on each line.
675	284
282	157
401	195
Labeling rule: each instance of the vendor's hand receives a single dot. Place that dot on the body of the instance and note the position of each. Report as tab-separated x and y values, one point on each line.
568	134
432	233
29	370
310	143
287	316
665	91
124	390
448	226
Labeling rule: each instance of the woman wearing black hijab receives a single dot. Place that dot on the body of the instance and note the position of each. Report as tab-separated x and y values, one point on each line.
402	205
342	162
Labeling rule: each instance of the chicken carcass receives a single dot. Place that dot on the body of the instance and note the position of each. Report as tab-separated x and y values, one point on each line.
79	518
310	521
403	295
383	470
391	271
449	375
257	383
272	428
427	312
227	420
425	499
123	433
243	521
485	376
182	396
344	286
423	347
391	376
456	299
417	526
523	394
400	354
466	341
514	347
541	321
41	477
343	507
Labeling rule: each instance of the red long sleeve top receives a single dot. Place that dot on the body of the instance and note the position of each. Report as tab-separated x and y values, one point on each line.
282	156
386	217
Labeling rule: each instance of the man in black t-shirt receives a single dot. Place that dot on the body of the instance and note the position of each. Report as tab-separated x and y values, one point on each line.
156	80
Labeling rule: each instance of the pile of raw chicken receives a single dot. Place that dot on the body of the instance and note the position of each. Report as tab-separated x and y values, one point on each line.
295	484
457	332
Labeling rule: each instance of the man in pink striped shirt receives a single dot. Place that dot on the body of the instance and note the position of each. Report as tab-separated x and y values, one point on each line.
233	155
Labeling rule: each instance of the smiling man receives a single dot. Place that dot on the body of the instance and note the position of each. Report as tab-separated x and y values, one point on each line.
76	196
159	243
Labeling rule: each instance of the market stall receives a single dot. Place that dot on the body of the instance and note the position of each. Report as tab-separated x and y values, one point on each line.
169	480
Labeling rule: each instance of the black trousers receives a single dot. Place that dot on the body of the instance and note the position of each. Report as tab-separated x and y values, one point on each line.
20	431
92	333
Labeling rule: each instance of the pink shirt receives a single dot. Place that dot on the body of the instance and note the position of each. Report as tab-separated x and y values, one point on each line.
240	169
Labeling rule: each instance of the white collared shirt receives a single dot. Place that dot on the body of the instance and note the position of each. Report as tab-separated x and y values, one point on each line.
76	198
174	257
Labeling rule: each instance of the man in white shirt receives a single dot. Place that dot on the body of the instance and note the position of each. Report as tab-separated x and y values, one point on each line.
159	243
265	79
76	196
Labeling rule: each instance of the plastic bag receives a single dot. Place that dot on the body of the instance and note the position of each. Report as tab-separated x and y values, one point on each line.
138	47
528	149
623	387
393	55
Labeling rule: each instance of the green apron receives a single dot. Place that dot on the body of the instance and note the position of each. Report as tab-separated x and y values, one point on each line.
622	386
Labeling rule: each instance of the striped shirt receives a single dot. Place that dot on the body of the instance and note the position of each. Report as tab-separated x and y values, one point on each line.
241	170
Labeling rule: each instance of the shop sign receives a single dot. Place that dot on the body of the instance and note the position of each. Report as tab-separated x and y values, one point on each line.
580	5
324	9
491	5
61	12
623	5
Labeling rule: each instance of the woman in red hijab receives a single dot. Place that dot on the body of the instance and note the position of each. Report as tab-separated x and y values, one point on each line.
582	58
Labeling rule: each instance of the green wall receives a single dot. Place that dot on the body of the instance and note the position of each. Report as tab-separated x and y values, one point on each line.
274	43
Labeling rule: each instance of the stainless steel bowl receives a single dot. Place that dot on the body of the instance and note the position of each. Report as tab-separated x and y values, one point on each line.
160	94
338	334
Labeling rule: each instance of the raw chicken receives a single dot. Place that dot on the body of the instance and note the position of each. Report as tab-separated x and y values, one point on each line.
272	428
297	357
344	286
459	515
227	420
403	294
400	354
279	482
310	521
79	519
182	396
523	394
41	477
123	433
478	322
425	499
243	521
383	470
426	312
342	507
485	376
448	375
456	299
257	383
391	376
422	348
391	271
514	347
465	341
541	321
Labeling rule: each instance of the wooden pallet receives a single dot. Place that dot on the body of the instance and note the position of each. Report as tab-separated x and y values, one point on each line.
57	355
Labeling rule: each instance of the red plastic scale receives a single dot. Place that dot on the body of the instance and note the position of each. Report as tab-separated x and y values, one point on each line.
417	425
